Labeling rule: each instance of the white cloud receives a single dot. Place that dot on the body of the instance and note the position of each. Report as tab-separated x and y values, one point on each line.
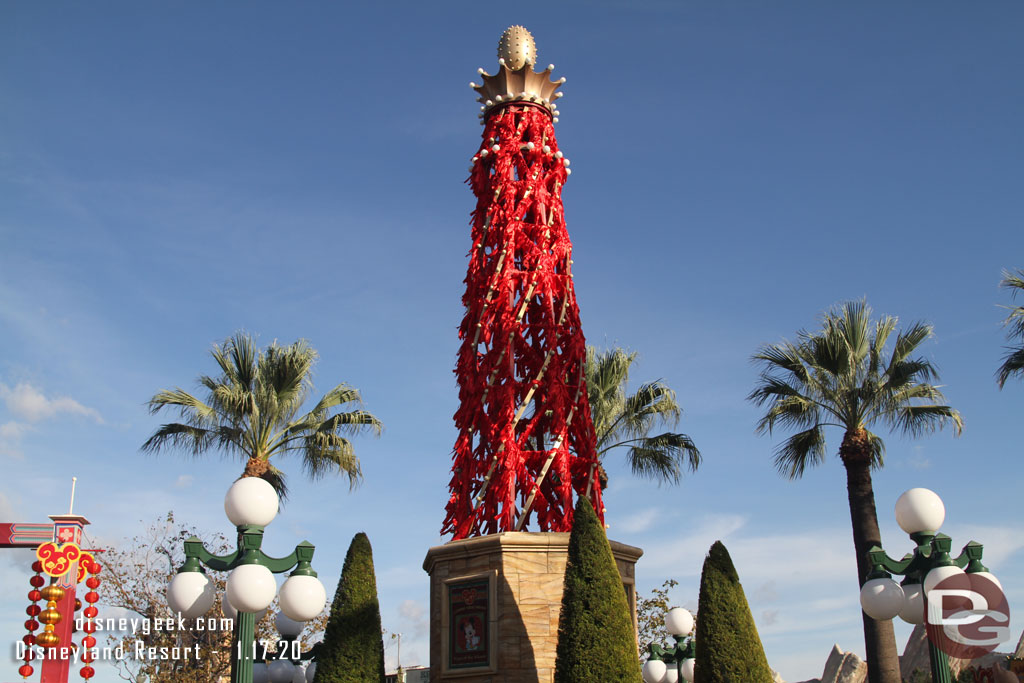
12	430
636	522
184	481
683	556
28	403
6	508
10	438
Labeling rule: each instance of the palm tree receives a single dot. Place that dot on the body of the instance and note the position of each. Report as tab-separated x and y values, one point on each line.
252	409
843	377
626	421
1013	361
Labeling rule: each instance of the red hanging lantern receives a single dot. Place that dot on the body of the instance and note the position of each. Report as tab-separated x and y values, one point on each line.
33	611
90	612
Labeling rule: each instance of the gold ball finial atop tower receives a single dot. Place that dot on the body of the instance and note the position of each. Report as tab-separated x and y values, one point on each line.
517	48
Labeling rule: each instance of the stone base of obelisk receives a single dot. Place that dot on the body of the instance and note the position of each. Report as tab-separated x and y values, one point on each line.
494	605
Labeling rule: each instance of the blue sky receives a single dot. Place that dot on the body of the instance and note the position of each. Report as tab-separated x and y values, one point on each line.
170	174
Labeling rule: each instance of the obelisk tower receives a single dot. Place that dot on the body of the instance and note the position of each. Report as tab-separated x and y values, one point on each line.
526	447
526	443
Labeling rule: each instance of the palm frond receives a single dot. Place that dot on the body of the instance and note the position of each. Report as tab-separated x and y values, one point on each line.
907	372
921	419
190	407
1013	364
883	328
877	446
338	396
907	342
275	478
663	457
650	402
284	375
328	453
785	356
1013	360
800	451
622	420
790	411
194	440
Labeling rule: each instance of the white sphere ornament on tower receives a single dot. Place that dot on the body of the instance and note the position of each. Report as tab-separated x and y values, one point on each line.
251	501
920	511
654	671
679	622
191	594
881	599
251	588
303	597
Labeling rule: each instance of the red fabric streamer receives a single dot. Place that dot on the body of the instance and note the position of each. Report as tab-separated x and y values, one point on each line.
526	441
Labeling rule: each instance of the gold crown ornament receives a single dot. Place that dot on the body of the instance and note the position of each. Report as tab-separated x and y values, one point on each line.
516	82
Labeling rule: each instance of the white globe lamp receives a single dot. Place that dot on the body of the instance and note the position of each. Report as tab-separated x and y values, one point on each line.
231	613
920	511
259	673
912	611
251	501
679	622
299	676
881	599
687	669
287	627
281	671
990	576
940	574
654	671
251	587
303	597
191	594
671	673
310	672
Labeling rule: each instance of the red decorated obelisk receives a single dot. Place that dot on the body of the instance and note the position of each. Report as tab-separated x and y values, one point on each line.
526	444
526	449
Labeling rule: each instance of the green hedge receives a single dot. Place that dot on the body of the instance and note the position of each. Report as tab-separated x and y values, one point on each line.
352	649
728	647
596	642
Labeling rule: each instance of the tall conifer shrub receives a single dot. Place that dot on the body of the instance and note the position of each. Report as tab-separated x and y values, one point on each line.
728	647
596	641
352	649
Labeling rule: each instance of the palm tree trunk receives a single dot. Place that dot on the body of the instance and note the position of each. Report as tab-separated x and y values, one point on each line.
879	637
255	467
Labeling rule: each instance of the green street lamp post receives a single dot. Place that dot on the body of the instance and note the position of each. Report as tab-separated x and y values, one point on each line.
920	513
250	504
679	623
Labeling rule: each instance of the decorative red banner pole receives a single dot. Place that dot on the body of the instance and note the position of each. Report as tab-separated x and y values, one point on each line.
59	553
526	441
